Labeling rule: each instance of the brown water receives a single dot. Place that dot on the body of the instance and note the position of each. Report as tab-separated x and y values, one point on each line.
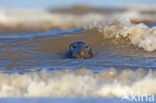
32	50
32	64
46	50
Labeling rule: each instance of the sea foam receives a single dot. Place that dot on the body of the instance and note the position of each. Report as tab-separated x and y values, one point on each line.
38	19
80	83
139	35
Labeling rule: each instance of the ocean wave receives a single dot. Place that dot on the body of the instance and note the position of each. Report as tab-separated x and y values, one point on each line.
139	35
43	20
37	19
80	83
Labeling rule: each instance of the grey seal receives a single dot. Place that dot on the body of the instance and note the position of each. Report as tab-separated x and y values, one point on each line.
79	49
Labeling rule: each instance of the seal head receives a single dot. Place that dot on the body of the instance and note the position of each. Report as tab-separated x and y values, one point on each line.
79	49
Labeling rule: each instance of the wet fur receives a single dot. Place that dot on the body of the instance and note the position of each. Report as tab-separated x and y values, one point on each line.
69	53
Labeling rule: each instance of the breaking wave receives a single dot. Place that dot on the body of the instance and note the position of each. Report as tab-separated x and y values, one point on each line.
37	19
139	35
80	83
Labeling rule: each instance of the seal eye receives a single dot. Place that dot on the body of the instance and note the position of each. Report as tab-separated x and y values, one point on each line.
73	47
86	46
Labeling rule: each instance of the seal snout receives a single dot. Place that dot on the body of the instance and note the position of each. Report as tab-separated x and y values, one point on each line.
79	49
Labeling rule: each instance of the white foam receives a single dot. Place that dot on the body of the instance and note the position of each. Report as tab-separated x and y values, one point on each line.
138	34
38	19
82	83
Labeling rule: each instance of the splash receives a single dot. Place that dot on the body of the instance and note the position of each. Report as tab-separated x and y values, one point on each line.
139	35
80	83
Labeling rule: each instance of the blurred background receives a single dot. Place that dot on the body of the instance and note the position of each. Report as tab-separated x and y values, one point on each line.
48	4
42	15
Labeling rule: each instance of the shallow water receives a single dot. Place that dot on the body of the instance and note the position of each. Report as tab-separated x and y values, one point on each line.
32	64
46	49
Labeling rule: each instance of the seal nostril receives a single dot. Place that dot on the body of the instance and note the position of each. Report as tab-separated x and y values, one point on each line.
79	49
